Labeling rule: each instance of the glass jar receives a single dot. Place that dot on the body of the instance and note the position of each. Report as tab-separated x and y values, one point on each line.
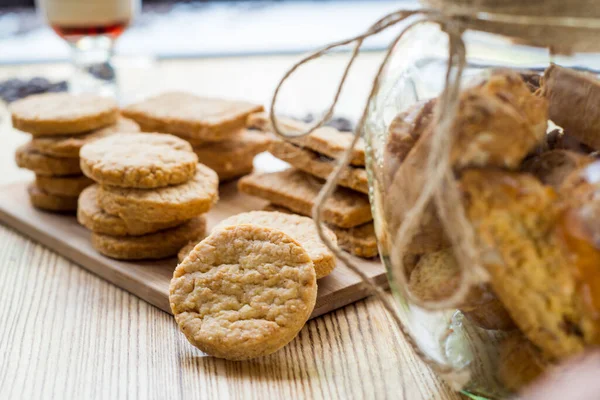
478	339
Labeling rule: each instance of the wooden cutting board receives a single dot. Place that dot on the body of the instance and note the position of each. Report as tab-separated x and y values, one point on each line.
150	280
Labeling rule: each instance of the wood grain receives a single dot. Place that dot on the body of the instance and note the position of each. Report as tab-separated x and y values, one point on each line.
67	334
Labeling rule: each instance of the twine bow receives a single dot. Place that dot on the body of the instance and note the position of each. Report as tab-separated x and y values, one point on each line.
440	186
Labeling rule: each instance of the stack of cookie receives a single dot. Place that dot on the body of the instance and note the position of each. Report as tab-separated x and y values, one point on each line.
313	158
149	197
61	124
215	128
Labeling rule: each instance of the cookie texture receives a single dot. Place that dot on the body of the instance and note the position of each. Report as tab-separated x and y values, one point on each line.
301	229
63	185
359	241
44	165
234	157
171	203
139	160
69	146
90	215
187	115
51	202
327	141
297	191
319	165
63	113
243	292
541	259
153	246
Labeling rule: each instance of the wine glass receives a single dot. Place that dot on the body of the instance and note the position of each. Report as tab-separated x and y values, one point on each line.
91	28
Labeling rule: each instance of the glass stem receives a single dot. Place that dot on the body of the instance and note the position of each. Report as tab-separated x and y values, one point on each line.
93	68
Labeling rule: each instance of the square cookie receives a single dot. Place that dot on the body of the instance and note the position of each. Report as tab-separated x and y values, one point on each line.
187	115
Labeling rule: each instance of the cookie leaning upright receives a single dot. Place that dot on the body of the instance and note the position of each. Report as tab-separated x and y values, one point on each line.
62	113
139	160
243	292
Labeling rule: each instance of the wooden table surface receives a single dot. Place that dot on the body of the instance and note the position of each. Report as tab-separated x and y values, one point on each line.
66	334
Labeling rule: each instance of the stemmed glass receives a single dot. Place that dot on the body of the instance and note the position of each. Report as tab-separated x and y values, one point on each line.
91	28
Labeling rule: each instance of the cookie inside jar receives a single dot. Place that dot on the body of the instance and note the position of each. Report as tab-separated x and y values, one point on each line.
523	158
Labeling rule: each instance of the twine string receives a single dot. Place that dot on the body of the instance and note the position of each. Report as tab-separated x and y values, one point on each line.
438	167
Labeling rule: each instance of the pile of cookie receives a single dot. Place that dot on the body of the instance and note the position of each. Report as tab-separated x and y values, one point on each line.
532	196
216	129
60	124
248	289
313	158
149	196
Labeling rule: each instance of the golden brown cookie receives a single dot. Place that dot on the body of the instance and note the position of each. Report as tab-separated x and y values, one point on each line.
243	292
153	246
90	215
185	250
233	158
187	115
297	191
301	229
41	164
51	202
360	241
63	113
171	203
520	362
325	140
542	260
139	160
319	165
63	185
69	146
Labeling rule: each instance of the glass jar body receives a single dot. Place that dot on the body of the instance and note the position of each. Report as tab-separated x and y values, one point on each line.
416	74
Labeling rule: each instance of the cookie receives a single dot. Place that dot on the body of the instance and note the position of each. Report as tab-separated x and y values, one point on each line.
301	229
540	257
327	141
51	202
69	146
184	114
63	185
139	160
297	191
552	167
318	165
153	246
234	157
63	113
359	241
90	215
577	92
243	292
520	362
44	165
185	250
171	203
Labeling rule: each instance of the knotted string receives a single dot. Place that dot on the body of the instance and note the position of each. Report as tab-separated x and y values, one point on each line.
438	162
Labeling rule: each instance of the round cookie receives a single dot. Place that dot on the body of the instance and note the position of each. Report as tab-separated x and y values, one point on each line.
90	215
139	160
50	202
243	292
300	228
63	113
45	165
172	203
63	185
153	246
69	146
